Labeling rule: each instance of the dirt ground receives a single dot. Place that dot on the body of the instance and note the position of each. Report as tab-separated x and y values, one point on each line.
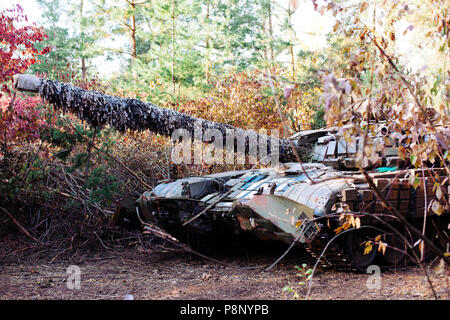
177	275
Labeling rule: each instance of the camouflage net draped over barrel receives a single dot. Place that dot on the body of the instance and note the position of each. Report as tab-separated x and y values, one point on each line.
131	114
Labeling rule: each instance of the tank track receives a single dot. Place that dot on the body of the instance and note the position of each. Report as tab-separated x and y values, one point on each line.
334	257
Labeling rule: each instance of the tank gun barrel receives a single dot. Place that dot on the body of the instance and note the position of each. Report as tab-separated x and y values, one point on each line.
123	114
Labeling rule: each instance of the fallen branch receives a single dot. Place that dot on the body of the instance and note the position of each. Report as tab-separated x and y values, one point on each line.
115	159
174	241
18	224
208	207
101	241
166	236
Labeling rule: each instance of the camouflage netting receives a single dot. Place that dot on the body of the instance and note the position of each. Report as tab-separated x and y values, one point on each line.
124	114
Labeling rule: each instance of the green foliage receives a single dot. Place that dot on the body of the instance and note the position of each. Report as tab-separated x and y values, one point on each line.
63	46
72	46
305	274
74	145
104	186
318	121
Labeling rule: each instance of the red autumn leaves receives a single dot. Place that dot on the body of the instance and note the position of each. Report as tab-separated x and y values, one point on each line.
17	44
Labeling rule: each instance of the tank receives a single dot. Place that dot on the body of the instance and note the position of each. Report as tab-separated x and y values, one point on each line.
303	203
319	201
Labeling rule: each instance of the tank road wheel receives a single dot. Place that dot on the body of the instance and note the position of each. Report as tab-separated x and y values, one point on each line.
353	245
125	216
393	255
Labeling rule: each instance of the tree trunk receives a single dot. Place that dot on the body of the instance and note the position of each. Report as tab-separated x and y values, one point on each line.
264	36
133	33
173	47
83	59
83	69
207	43
291	46
272	56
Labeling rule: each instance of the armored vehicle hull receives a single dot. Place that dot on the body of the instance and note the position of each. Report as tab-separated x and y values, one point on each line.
304	204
